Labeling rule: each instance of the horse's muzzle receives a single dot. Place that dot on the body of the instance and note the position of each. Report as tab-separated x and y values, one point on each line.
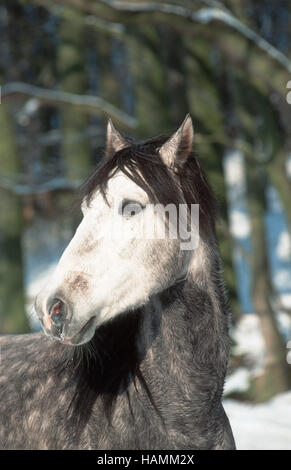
57	320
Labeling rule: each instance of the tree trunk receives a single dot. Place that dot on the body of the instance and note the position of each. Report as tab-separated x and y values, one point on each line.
71	65
277	374
151	99
12	309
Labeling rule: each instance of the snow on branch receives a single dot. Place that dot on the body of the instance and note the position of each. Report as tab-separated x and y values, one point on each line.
204	16
86	103
23	188
125	10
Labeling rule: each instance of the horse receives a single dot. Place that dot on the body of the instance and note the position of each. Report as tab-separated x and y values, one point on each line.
135	345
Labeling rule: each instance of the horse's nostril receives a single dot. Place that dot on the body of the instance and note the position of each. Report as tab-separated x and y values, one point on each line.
58	312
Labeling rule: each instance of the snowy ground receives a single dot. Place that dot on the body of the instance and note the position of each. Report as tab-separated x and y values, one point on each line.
261	427
257	427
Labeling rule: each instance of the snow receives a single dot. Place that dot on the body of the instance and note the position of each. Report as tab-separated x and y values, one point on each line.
286	300
261	427
265	426
238	381
33	289
234	168
282	279
239	224
288	165
234	171
249	342
284	246
43	243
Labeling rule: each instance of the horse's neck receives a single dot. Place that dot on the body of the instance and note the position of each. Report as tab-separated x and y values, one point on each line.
186	328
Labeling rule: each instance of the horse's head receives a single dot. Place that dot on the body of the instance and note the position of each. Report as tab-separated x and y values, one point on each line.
116	261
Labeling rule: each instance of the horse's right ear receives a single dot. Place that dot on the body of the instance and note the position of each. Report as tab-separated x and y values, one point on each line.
115	141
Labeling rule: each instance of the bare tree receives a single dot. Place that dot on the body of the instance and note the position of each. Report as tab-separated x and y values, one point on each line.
12	305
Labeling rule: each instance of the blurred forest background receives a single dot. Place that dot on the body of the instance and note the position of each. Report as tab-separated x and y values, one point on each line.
66	66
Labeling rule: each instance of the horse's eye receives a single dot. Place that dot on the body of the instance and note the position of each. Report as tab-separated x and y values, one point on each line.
130	208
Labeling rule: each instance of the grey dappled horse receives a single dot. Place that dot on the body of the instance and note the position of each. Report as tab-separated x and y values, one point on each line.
136	345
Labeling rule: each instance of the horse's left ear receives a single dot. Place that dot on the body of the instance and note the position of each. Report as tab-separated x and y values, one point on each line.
175	151
115	141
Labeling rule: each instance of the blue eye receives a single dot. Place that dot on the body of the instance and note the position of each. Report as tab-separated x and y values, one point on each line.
130	208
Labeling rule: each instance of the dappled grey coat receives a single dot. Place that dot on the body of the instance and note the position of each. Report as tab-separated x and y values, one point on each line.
151	378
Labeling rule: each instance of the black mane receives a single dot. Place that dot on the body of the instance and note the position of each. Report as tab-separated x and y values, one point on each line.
105	366
141	162
110	360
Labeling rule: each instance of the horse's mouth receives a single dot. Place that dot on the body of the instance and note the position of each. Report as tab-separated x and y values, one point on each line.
84	335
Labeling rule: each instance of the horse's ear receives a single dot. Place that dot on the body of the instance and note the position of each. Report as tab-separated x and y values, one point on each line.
115	141
175	151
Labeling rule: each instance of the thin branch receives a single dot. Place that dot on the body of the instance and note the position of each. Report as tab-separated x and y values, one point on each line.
93	21
204	16
86	103
54	136
23	189
130	11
